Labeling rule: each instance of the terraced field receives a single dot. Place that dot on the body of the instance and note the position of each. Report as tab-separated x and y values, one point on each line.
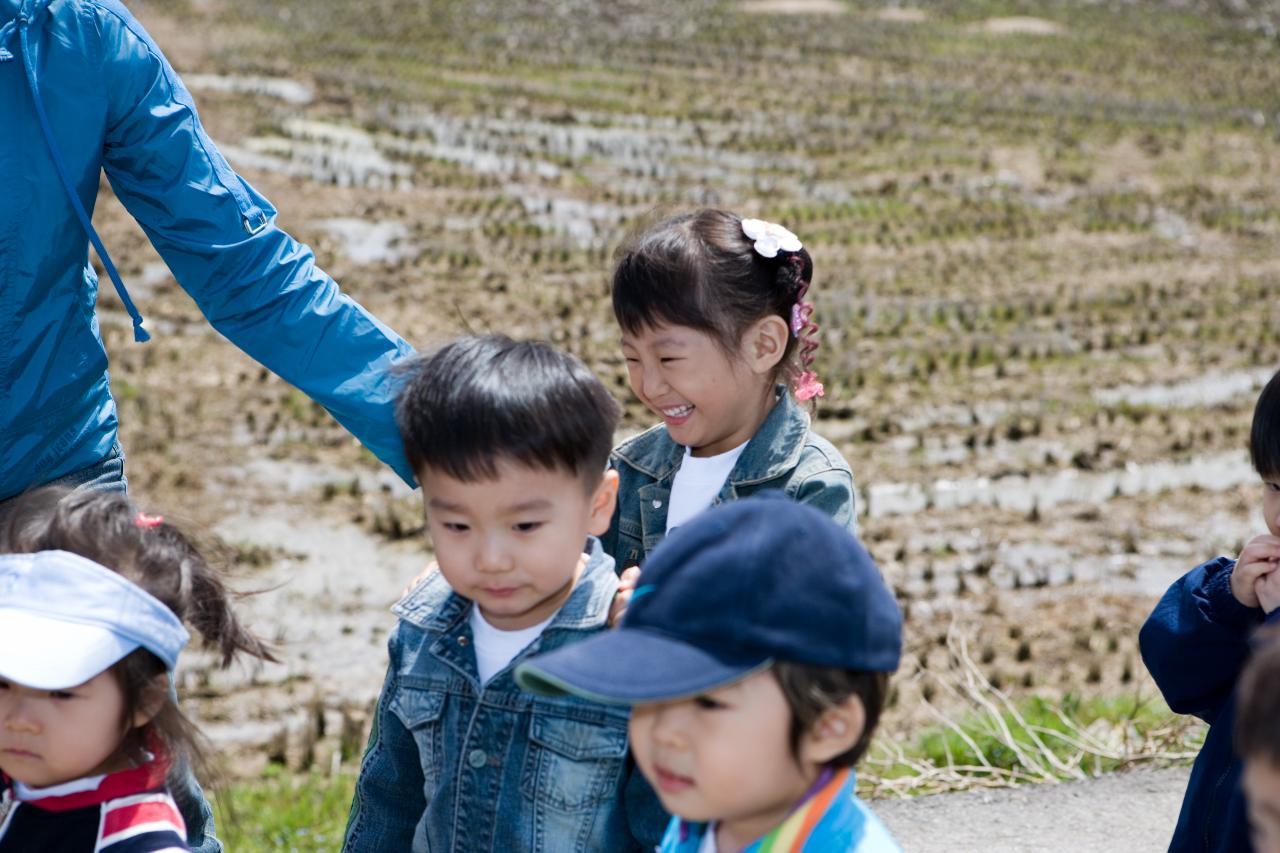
1046	274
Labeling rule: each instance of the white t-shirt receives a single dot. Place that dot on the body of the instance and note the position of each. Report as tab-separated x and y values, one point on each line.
496	648
75	786
698	480
708	844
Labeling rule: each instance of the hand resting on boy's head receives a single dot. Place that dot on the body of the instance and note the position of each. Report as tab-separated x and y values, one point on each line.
1254	570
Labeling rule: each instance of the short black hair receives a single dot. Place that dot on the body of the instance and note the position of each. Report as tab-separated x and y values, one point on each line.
479	400
1264	438
812	690
1257	731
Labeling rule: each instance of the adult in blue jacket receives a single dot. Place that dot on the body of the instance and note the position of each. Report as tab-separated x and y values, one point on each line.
83	89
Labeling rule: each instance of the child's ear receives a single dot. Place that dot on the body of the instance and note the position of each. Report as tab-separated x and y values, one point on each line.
835	732
602	503
765	343
152	700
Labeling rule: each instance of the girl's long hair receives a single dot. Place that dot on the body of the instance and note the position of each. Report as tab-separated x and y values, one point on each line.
158	557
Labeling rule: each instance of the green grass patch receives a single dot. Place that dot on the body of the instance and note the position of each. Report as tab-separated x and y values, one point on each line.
300	813
1034	739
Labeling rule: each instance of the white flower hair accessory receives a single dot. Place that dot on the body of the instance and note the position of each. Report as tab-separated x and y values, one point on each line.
770	238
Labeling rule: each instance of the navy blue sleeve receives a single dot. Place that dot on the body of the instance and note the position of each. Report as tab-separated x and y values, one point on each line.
1196	640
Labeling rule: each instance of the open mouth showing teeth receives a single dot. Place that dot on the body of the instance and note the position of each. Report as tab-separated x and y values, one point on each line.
678	412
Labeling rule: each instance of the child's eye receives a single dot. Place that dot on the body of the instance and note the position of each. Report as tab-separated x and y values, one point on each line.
454	526
706	703
528	526
1272	487
61	694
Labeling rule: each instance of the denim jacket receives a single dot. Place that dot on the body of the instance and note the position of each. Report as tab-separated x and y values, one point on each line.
783	454
453	765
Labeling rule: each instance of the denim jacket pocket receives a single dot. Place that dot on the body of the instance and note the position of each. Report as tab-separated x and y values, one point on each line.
419	711
630	548
573	765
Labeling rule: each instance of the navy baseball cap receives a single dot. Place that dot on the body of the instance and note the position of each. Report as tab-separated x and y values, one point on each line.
725	595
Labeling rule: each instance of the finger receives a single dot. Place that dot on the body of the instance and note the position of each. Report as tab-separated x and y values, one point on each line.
628	578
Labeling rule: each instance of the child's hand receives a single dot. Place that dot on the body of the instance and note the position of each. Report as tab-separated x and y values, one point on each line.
1268	591
1258	559
626	586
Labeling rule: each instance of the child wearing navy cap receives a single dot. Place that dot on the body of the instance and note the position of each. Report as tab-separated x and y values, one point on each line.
755	655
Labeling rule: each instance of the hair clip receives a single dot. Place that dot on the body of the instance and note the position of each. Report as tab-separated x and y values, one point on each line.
147	521
769	238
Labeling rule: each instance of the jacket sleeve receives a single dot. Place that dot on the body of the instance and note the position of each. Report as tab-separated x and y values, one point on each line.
388	801
257	285
831	490
1196	640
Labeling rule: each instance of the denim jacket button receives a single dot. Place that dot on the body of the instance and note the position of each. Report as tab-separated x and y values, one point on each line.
477	758
462	641
656	503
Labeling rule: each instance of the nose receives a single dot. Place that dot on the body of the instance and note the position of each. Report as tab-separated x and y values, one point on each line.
652	382
494	556
667	728
18	718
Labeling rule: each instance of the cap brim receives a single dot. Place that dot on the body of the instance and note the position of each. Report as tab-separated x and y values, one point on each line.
630	667
53	654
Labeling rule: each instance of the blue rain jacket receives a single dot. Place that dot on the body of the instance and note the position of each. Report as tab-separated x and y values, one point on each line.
83	89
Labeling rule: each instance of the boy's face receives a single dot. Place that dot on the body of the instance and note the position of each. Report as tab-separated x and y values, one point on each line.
513	544
1271	504
48	737
1261	783
723	756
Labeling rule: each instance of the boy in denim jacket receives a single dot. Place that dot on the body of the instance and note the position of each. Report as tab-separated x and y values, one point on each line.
1198	639
509	442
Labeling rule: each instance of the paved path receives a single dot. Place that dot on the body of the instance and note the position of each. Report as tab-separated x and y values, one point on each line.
1130	812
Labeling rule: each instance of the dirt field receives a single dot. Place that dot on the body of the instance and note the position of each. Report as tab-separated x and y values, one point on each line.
1044	237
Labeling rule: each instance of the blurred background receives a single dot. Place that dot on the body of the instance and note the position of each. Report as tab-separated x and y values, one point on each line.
1046	275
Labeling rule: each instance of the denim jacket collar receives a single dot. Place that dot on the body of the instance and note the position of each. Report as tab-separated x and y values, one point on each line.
771	452
434	607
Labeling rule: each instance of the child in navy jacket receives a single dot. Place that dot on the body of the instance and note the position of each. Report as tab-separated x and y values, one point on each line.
1197	641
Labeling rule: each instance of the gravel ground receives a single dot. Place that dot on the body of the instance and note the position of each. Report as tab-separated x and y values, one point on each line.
1131	812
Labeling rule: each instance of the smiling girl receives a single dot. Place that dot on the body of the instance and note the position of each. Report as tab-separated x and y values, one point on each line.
719	342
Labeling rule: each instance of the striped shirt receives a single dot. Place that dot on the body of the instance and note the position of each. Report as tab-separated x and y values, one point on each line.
126	812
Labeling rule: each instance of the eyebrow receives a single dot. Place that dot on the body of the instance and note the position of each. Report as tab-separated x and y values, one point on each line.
523	506
664	341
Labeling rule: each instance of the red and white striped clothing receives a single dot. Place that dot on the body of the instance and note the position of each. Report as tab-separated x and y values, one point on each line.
127	812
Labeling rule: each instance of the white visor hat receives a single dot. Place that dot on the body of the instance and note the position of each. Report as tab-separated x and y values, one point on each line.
64	619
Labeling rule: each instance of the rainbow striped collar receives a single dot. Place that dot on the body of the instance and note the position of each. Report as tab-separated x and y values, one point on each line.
830	819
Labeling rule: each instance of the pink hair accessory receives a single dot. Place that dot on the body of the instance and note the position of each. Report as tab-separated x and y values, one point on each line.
807	386
798	320
147	521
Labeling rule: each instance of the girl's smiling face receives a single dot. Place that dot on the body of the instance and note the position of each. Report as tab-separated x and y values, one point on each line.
710	400
48	737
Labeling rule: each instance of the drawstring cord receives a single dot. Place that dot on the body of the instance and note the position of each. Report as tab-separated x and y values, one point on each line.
21	23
